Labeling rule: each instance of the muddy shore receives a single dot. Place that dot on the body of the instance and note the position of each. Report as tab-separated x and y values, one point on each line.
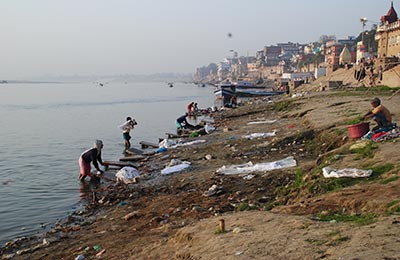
291	213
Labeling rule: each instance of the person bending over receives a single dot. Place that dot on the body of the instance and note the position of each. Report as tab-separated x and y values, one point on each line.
92	155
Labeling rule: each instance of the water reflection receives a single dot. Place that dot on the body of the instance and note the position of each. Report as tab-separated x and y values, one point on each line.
86	190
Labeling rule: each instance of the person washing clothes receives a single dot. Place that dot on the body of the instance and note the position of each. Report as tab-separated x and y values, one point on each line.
126	129
92	155
181	121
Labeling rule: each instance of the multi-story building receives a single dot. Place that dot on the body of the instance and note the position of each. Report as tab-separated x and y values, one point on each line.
271	54
388	37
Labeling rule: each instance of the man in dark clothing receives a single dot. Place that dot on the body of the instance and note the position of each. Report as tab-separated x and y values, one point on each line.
181	122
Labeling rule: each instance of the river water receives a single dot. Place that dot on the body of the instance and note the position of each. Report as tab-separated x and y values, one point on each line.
45	127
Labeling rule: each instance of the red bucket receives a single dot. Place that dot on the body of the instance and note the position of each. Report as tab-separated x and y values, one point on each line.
358	130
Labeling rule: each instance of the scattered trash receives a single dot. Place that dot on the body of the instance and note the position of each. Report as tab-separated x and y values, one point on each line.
46	242
175	168
259	135
262	122
101	252
250	167
127	175
346	172
97	247
188	143
167	143
212	190
174	162
80	257
209	128
249	177
161	150
208	157
122	203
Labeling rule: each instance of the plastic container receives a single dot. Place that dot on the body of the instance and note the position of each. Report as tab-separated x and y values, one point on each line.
358	130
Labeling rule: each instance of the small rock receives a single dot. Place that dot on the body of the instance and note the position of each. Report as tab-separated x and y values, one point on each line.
209	157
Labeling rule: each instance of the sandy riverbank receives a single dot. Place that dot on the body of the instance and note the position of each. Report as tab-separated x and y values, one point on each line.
174	218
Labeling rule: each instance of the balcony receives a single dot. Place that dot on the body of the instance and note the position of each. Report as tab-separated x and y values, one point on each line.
389	27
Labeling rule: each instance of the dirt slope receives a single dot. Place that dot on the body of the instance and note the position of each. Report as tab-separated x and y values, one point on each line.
175	216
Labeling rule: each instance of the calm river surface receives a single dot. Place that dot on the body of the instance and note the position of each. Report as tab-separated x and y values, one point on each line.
45	127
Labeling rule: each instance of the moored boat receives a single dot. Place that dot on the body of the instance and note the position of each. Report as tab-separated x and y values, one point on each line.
224	91
255	93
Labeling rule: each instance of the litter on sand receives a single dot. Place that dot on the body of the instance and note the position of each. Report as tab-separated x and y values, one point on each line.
127	175
167	143
250	167
346	172
175	166
262	122
259	135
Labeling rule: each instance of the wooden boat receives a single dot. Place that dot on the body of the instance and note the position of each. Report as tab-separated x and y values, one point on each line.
224	91
255	93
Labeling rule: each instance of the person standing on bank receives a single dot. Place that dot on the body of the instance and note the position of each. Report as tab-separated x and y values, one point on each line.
92	155
126	129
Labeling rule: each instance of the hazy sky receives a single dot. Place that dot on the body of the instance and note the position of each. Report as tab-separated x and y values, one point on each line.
87	37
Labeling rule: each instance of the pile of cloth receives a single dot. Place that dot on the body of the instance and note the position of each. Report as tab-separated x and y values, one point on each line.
383	133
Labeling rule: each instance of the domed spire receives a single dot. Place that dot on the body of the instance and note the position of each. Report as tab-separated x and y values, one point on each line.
391	15
345	56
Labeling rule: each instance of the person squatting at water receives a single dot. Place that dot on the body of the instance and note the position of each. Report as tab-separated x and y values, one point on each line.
181	122
380	114
126	129
92	155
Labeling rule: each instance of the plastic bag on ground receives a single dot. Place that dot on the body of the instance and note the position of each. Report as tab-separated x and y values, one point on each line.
329	172
259	135
127	175
250	167
175	168
209	128
188	143
262	122
166	143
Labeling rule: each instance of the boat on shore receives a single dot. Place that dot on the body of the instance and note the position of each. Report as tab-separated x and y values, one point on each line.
224	91
257	92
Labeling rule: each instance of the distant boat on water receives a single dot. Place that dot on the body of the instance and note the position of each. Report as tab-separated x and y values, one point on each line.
170	84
